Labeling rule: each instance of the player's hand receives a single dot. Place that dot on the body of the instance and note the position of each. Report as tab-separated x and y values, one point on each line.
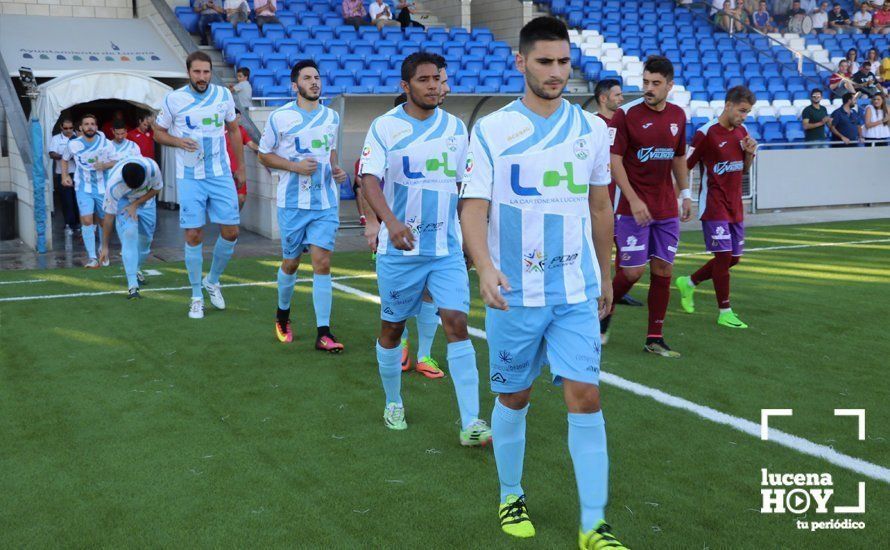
66	181
188	144
491	281
640	212
604	303
339	174
749	144
400	235
131	211
686	210
240	174
372	229
306	167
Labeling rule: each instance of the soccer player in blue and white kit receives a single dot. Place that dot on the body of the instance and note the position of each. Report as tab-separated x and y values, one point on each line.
539	168
192	120
300	142
417	149
87	153
133	184
118	148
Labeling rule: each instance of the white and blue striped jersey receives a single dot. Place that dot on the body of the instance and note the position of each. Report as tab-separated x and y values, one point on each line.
202	117
85	154
118	189
116	151
421	163
536	172
295	134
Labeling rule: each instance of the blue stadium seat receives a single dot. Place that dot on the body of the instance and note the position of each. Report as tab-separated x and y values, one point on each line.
248	31
434	47
276	62
188	19
260	80
473	64
234	47
262	46
273	31
287	18
368	77
514	82
479	49
310	20
391	77
337	47
377	62
772	132
794	132
353	62
499	65
299	32
219	32
362	47
386	48
467	79
325	34
343	77
500	49
249	60
282	78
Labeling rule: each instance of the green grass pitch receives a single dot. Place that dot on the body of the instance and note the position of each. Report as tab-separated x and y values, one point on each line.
126	424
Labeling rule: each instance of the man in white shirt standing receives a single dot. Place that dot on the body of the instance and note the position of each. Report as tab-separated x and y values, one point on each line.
862	19
57	148
265	10
381	15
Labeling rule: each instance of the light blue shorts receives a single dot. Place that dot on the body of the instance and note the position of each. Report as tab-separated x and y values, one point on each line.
522	339
90	203
401	280
304	227
215	197
147	214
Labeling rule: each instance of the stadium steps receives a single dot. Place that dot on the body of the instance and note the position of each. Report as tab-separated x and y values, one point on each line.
222	69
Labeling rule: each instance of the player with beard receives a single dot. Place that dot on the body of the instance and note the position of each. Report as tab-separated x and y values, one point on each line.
537	223
418	149
300	142
649	146
192	120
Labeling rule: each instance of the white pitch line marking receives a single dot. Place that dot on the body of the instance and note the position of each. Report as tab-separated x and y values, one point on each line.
22	282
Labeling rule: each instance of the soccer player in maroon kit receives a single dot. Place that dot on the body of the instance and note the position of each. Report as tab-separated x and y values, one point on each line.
609	97
650	145
725	151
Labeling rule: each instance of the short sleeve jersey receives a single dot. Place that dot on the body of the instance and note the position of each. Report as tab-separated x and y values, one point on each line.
202	117
720	153
421	162
117	151
119	193
648	141
58	145
295	134
537	173
85	154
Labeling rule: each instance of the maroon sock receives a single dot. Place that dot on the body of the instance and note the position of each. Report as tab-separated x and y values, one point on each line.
704	273
722	262
621	285
659	296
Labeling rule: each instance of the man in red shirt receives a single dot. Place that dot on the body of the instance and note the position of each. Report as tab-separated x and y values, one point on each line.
609	97
650	145
143	135
725	151
241	186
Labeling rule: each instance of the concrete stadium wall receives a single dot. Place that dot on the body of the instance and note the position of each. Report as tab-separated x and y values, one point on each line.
453	13
21	185
505	18
112	9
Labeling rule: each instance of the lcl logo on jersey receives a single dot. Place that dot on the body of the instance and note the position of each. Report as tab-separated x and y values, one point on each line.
314	144
551	178
433	164
204	121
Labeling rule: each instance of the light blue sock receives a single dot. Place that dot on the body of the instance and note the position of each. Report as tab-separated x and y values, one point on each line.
389	362
130	254
222	253
194	264
99	231
462	366
285	288
508	439
427	322
587	445
144	249
322	294
88	232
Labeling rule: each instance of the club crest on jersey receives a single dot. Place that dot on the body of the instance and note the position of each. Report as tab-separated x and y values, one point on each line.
451	143
674	128
580	149
534	261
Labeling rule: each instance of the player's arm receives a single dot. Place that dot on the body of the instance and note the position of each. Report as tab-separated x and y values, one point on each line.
603	225
237	146
681	175
66	176
399	234
749	145
134	206
338	173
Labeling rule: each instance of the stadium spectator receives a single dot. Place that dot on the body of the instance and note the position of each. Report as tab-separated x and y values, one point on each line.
820	20
815	118
874	58
762	19
862	19
381	15
108	126
877	121
781	9
750	6
880	22
67	196
796	16
242	89
240	186
846	123
406	8
839	20
264	11
354	13
237	11
841	81
852	58
884	73
731	18
720	5
143	136
866	82
210	12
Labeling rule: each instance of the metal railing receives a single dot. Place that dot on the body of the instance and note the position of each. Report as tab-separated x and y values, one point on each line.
15	114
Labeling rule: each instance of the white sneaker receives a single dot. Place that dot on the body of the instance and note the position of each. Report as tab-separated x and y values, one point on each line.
106	262
196	309
394	417
92	264
215	292
140	277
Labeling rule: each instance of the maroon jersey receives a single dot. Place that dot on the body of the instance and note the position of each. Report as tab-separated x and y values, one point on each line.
723	160
649	140
613	187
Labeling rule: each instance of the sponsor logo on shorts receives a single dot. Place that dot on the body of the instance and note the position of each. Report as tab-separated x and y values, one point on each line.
388	311
632	245
499	378
394	294
505	357
655	153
